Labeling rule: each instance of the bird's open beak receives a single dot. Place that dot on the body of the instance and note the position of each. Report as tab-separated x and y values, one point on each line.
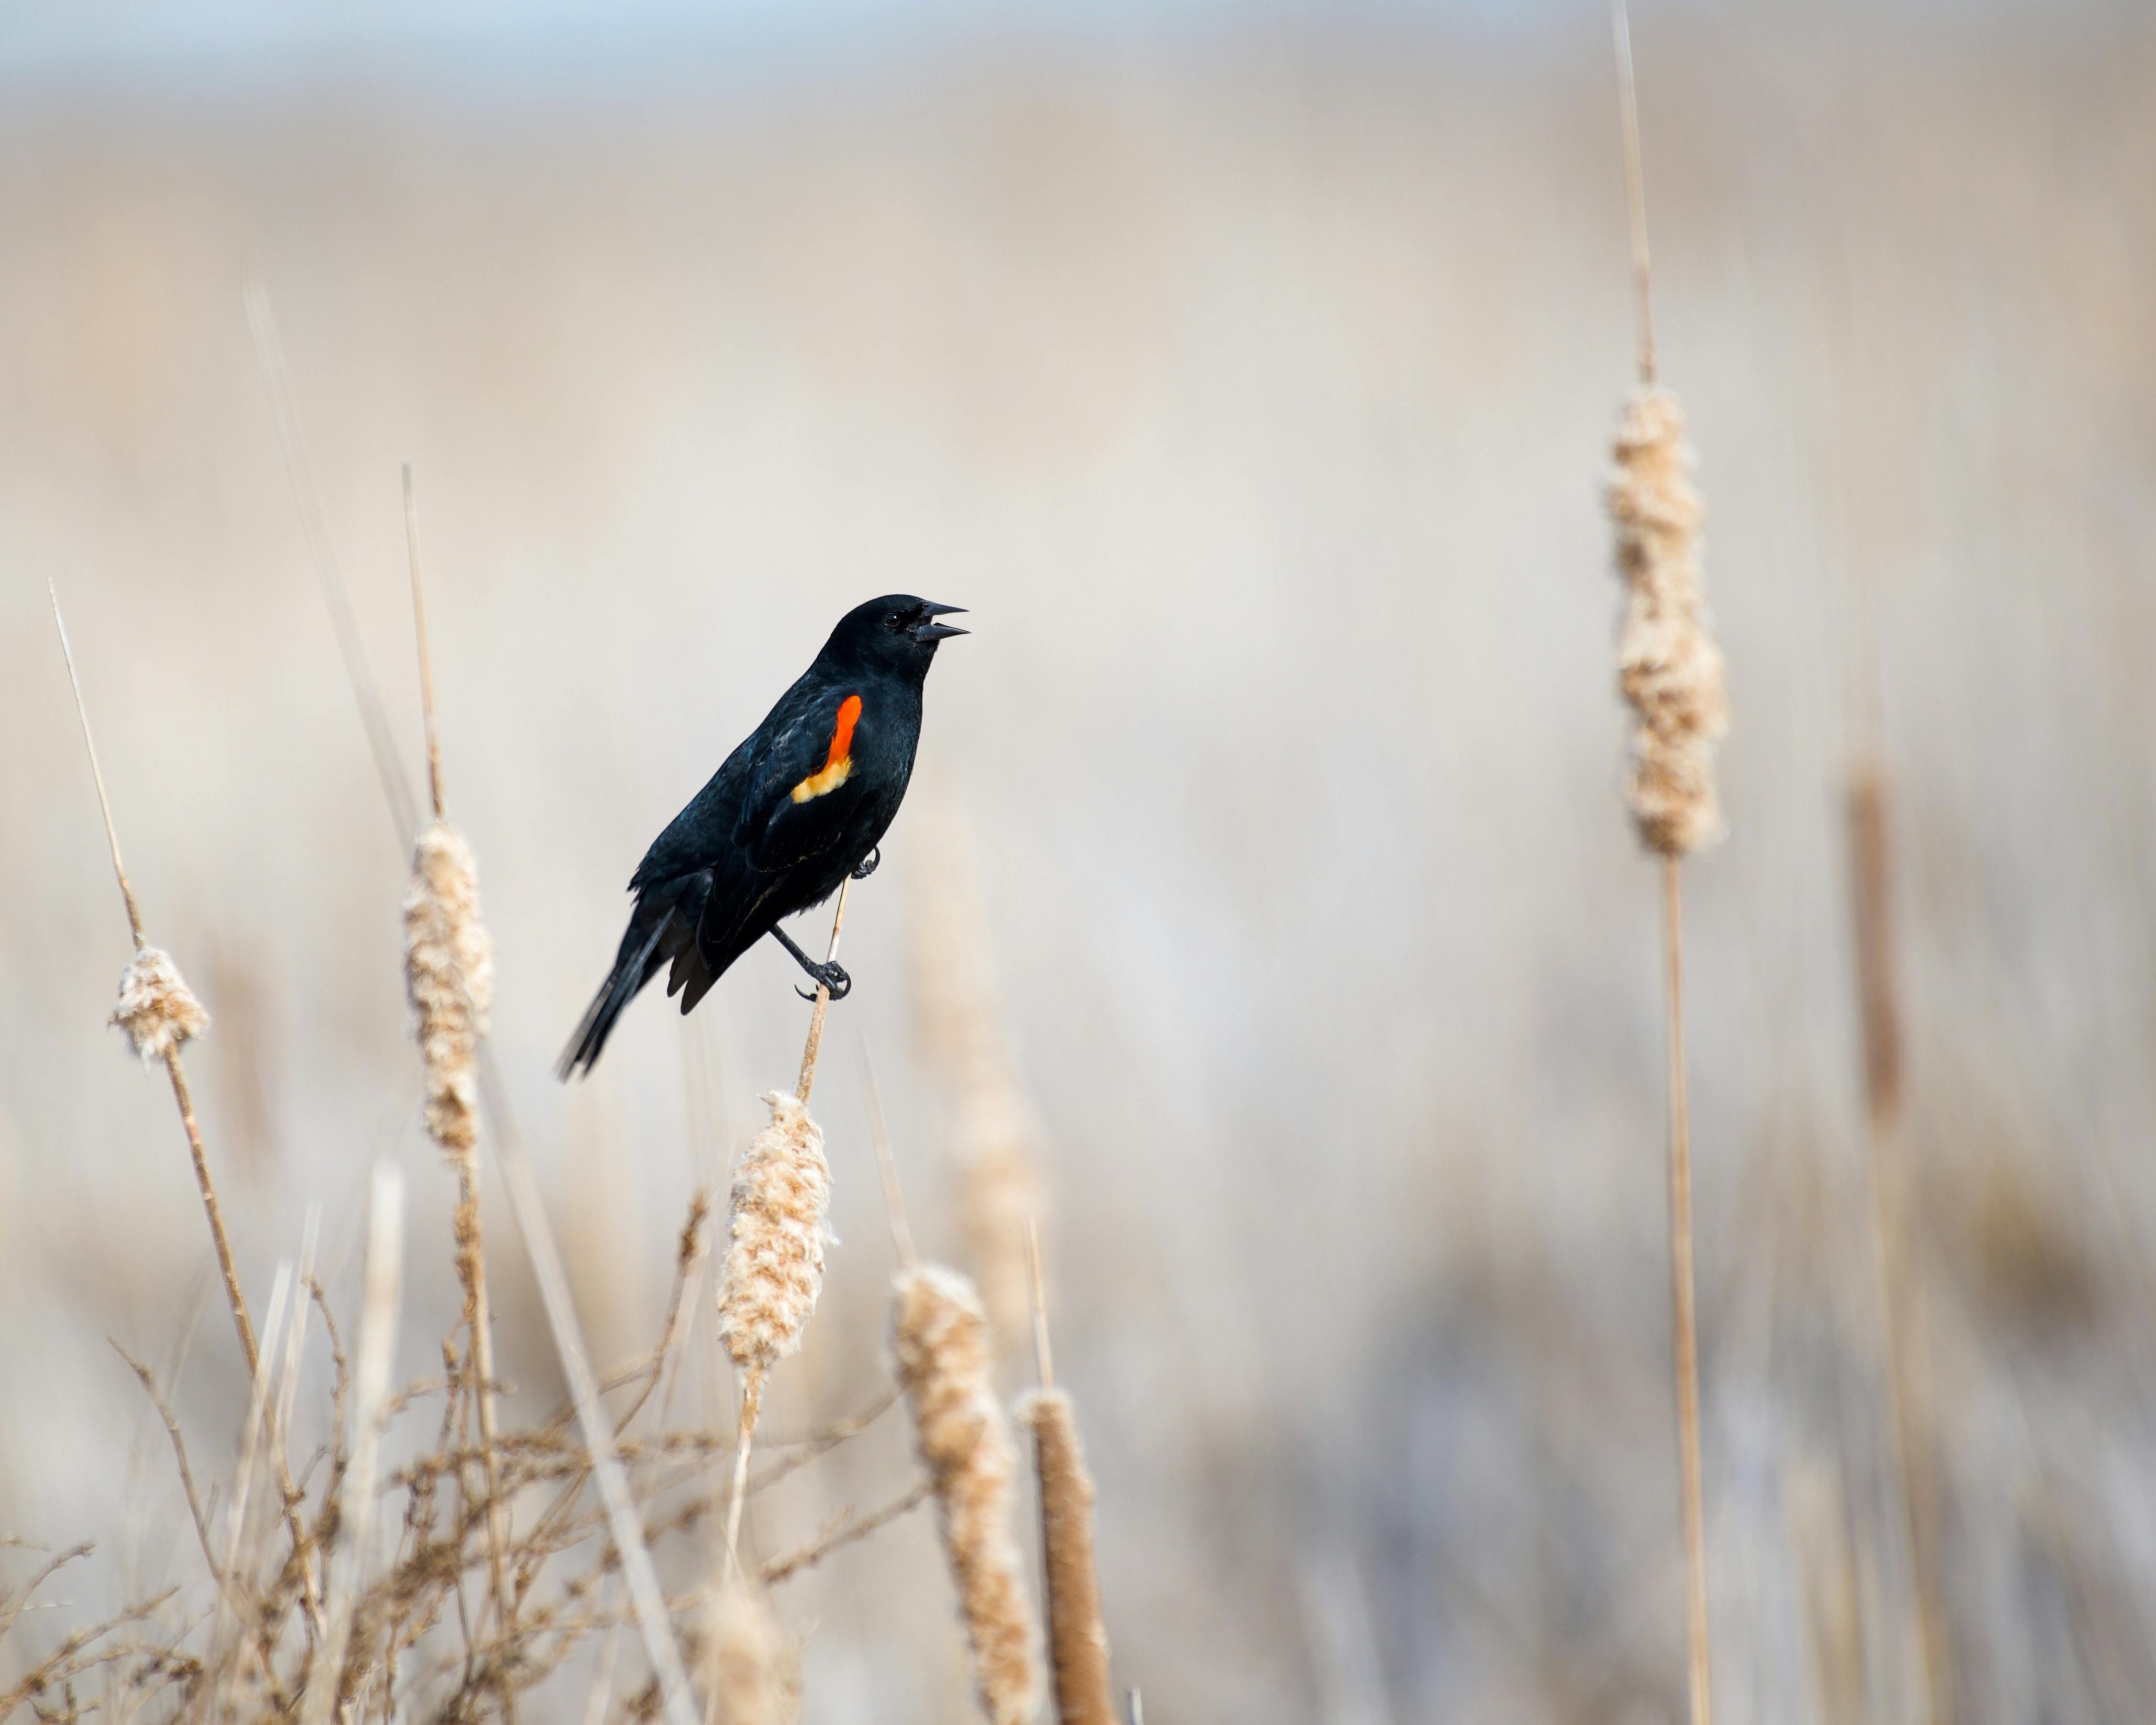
927	631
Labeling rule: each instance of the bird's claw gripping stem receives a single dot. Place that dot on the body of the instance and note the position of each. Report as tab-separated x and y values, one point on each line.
867	867
832	976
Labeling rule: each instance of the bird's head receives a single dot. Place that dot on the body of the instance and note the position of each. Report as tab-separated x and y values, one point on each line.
898	631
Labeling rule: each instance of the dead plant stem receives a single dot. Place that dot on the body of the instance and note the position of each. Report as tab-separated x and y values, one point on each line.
181	1094
1684	1313
470	1246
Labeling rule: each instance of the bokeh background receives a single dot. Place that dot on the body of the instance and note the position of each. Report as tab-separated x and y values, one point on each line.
1249	372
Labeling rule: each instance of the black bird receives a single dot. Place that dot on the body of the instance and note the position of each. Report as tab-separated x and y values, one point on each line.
797	807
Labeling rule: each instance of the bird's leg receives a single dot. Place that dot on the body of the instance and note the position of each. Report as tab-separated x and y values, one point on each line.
867	866
827	976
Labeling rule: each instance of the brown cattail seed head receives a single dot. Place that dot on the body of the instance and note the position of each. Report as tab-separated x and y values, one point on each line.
156	1008
1077	1641
940	1336
449	974
775	1264
750	1671
1668	667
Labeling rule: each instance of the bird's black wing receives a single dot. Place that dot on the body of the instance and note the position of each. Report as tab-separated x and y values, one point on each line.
778	836
801	795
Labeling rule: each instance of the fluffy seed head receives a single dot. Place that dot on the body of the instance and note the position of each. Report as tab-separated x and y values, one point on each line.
156	1008
750	1671
940	1337
775	1264
1668	667
449	975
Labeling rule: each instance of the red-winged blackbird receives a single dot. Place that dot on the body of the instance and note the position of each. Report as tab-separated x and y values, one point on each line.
799	806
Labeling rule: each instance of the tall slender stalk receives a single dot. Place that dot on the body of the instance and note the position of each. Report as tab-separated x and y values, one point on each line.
1909	1403
1684	1314
159	1013
1671	673
449	964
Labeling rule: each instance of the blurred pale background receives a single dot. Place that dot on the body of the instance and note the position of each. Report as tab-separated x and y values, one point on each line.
1250	376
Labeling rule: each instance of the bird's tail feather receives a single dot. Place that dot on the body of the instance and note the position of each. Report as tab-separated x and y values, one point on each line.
632	969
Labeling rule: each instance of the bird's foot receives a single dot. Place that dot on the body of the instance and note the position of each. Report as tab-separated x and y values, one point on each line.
831	977
867	866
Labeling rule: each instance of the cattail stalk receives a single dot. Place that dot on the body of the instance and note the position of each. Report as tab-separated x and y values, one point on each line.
751	1672
1684	1314
1671	673
1077	1639
774	1267
1908	1387
940	1338
449	975
160	1014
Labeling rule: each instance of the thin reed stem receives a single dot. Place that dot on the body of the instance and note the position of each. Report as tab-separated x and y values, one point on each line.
752	1399
226	1267
1636	192
1684	1314
470	1250
1914	1432
1671	672
1044	1359
307	494
182	1095
813	1049
426	654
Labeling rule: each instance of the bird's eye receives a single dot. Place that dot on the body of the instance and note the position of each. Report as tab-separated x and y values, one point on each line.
894	621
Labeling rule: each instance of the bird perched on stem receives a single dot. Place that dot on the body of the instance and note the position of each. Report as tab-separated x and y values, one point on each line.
800	805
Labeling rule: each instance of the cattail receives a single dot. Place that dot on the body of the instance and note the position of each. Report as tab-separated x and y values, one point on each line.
1670	670
775	1264
940	1336
1668	667
1871	902
156	1008
1077	1642
751	1671
159	1013
449	974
